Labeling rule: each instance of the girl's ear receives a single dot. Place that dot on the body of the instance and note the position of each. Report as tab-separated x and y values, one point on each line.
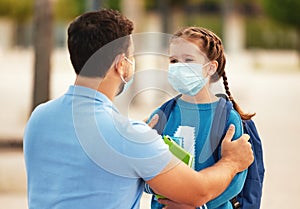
213	66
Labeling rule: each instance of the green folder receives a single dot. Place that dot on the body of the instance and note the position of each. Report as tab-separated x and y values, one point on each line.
179	152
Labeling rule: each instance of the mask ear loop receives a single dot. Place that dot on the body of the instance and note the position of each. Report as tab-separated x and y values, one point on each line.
206	64
123	79
128	60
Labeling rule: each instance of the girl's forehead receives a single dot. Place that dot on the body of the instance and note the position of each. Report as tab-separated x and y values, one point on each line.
180	46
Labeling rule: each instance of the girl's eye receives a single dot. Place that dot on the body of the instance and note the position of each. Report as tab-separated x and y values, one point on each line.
189	60
173	60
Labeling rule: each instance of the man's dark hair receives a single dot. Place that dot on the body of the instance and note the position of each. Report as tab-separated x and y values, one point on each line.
90	32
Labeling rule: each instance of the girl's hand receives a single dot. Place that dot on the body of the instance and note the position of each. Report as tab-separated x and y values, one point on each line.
153	121
169	204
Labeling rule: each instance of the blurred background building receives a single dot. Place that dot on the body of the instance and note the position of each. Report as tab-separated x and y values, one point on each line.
262	43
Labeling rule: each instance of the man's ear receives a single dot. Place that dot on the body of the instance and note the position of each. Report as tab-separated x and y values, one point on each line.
212	67
118	64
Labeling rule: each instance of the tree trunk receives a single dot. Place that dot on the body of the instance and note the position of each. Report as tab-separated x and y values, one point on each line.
43	21
298	46
164	10
233	28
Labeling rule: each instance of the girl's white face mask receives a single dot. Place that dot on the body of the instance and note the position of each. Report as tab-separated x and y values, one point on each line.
187	78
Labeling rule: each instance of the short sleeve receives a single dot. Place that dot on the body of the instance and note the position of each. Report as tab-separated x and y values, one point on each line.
125	148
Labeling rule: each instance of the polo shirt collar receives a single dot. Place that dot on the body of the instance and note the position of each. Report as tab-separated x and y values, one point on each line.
76	90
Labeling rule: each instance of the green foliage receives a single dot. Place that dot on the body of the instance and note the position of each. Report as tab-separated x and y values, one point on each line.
260	32
154	4
211	22
114	4
286	11
66	10
267	34
19	10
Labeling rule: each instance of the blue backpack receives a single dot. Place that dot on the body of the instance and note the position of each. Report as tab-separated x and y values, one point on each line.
250	196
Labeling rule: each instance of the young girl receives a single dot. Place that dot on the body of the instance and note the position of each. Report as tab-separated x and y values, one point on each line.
196	60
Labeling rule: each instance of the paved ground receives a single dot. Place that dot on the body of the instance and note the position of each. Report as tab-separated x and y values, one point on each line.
268	84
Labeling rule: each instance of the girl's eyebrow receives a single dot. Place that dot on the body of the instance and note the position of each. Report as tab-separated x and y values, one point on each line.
184	55
188	55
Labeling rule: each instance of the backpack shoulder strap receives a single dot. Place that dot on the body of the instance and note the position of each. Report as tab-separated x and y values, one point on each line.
219	122
164	113
250	196
250	129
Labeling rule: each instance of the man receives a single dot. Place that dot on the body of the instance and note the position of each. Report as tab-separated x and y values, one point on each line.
81	153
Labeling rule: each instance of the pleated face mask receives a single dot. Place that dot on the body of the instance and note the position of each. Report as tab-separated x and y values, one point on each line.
187	78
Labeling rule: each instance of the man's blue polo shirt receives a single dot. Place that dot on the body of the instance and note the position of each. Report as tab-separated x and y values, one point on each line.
81	153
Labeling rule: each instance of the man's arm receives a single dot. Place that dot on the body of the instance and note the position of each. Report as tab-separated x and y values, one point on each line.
182	184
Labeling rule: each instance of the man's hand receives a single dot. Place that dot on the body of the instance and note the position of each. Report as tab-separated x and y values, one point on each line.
238	152
153	121
169	204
